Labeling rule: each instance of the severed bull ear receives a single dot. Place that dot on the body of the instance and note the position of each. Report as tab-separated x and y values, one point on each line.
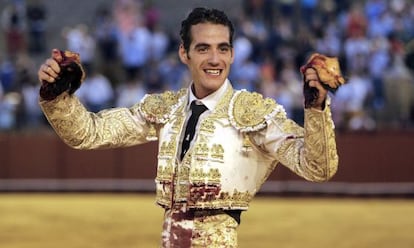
329	74
71	73
328	70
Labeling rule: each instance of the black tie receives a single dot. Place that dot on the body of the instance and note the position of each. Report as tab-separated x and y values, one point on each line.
196	111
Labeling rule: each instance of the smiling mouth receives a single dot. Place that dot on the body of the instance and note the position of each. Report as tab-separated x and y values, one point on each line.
212	72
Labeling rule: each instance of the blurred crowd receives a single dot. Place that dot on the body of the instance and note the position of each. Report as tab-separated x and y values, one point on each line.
127	52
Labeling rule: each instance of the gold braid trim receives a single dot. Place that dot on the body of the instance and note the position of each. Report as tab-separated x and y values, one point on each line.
311	151
158	108
81	129
320	145
249	112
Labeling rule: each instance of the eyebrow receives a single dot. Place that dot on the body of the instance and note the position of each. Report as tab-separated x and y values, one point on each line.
223	44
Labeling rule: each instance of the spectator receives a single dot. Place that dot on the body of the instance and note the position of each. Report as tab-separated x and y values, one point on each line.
9	105
134	38
79	40
290	91
350	103
129	93
14	27
96	91
33	116
159	44
268	85
361	34
36	17
172	72
399	88
106	34
7	74
107	43
379	60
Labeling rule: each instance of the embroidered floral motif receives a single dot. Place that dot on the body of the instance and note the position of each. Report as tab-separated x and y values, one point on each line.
199	176
217	152
201	151
168	148
157	108
321	159
79	128
249	111
207	126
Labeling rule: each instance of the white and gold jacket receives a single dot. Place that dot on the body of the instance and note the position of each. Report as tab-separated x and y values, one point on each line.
237	146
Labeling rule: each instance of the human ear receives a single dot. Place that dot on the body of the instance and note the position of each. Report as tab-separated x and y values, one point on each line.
182	53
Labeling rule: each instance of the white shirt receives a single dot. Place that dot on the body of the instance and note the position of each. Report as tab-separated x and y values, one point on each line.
209	101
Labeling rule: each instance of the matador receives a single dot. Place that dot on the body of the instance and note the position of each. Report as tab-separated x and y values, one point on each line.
207	177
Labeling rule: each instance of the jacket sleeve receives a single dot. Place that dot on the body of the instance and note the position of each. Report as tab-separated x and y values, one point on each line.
309	151
81	129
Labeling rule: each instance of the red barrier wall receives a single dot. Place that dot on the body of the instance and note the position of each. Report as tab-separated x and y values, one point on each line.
364	157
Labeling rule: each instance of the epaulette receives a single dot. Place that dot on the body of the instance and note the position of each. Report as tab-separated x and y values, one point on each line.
158	108
249	111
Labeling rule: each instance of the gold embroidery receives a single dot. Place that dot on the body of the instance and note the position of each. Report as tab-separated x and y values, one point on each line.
183	173
164	173
317	141
81	129
200	186
214	176
198	176
237	199
181	192
177	124
246	143
201	151
198	229
167	149
320	139
202	196
217	152
163	149
218	230
249	111
157	108
240	198
221	110
207	126
152	133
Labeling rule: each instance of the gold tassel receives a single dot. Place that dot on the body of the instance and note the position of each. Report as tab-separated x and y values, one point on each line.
246	143
152	134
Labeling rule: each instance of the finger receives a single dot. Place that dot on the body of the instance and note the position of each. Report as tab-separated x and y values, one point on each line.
53	64
43	76
46	73
310	75
51	72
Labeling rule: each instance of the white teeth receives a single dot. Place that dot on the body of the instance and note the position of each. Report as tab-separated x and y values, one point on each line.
213	72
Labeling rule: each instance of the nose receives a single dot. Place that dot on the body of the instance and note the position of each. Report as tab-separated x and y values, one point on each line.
214	57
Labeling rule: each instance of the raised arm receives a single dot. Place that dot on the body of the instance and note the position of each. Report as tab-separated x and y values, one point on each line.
309	151
60	76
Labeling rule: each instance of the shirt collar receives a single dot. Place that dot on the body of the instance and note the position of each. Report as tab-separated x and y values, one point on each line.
211	100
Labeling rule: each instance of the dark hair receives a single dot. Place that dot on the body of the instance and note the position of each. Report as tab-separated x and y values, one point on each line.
203	15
